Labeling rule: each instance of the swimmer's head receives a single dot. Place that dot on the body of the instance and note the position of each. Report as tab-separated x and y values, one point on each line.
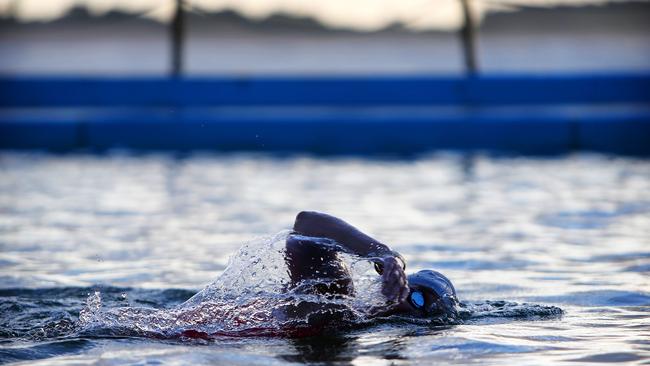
431	294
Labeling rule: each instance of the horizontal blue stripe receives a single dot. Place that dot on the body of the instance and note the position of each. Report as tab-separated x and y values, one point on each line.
378	130
173	93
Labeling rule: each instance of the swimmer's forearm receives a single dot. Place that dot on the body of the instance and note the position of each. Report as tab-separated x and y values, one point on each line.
326	226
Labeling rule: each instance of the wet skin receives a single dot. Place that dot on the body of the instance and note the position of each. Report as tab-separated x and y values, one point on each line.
424	294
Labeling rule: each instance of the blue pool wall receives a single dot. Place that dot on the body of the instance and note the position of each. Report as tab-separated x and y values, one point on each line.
527	114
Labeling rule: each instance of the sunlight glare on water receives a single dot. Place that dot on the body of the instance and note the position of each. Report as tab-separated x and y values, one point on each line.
149	231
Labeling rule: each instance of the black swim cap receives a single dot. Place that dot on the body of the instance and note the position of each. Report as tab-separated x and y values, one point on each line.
438	284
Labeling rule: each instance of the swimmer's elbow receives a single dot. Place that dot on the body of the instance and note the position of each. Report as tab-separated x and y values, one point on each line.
306	215
305	220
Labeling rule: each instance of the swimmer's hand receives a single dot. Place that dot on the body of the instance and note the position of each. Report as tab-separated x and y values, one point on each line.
393	279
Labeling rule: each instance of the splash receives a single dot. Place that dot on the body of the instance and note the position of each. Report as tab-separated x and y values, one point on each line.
507	309
253	297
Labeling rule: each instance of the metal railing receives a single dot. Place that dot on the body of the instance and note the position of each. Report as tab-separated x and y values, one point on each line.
467	36
468	31
177	27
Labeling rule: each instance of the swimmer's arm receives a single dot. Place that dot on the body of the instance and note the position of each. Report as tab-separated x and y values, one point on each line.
321	225
390	266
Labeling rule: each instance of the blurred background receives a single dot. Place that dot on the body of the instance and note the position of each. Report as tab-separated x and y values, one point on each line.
336	37
522	76
502	142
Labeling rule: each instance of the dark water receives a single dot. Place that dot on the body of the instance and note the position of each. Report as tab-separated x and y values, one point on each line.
520	238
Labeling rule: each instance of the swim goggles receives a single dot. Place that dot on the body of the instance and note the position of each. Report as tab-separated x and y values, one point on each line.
416	298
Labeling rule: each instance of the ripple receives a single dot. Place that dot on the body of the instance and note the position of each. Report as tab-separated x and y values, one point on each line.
551	338
621	257
44	350
599	298
471	348
610	357
470	264
638	268
584	220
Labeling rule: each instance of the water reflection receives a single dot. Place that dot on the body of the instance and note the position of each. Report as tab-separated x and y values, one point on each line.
323	349
383	342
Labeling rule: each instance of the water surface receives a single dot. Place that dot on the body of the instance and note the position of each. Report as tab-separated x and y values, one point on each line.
151	230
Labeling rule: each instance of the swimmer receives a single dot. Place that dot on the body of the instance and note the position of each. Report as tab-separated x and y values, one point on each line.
315	267
312	254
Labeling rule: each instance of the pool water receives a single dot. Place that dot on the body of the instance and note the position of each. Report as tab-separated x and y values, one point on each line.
514	234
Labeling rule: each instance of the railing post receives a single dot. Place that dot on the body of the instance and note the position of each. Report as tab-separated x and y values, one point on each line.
468	37
177	32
